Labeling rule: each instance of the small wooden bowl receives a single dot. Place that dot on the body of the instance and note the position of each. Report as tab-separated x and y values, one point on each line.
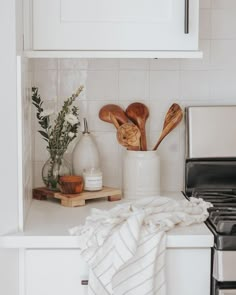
71	184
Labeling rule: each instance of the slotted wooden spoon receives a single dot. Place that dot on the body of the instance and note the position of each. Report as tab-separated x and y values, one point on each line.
119	114
138	113
172	119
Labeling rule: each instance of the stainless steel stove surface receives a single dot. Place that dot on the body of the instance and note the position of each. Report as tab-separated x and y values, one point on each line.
214	180
222	216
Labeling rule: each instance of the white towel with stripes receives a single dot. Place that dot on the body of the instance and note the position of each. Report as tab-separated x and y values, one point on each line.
125	246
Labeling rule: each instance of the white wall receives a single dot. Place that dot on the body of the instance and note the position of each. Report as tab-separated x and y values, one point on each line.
8	144
8	119
157	83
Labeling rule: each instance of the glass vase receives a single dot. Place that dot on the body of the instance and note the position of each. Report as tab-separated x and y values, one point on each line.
55	167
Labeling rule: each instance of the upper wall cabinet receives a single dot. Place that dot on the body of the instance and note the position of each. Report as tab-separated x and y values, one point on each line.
115	25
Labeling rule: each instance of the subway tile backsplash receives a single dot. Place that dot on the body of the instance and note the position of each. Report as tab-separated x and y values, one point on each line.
156	82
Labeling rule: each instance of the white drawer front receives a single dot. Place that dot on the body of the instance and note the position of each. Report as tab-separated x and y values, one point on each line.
58	272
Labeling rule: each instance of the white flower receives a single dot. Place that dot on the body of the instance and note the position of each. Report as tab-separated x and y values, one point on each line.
71	119
47	113
71	134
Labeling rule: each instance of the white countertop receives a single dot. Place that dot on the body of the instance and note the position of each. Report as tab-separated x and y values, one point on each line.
48	222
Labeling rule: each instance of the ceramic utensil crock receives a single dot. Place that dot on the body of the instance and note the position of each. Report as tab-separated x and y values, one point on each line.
141	174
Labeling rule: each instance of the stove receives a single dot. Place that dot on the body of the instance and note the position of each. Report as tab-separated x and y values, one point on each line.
214	180
210	174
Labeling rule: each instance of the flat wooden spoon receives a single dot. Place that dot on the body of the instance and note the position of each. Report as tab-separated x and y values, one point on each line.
127	135
172	119
119	114
138	113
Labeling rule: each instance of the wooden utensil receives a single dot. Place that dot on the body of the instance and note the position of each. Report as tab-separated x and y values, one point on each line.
127	135
119	114
172	119
138	113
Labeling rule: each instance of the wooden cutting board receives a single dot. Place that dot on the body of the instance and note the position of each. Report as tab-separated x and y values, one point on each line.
74	200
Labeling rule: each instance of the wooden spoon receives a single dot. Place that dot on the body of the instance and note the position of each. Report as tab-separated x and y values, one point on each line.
127	135
138	114
172	119
104	114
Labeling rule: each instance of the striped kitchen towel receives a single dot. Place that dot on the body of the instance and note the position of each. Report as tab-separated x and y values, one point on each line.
125	246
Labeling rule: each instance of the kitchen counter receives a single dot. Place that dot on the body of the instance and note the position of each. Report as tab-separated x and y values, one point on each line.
48	222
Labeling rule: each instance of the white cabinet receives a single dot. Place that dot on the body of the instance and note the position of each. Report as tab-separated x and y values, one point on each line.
115	25
60	272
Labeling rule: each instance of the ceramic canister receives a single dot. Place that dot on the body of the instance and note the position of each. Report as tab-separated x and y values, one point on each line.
141	174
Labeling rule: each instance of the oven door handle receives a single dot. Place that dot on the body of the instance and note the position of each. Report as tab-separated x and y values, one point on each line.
227	291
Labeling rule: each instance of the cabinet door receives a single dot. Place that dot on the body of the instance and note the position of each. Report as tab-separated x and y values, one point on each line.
115	24
54	272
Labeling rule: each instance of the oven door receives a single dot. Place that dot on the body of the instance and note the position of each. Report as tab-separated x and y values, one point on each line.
224	266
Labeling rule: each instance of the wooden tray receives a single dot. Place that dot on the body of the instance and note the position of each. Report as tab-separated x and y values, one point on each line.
74	200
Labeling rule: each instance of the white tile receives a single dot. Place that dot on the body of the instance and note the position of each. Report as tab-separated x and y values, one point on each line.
27	65
46	81
172	175
223	24
169	148
164	64
134	64
194	84
102	85
223	54
70	81
103	64
38	182
133	85
195	102
40	153
201	63
45	64
223	84
164	85
73	64
221	4
205	3
205	24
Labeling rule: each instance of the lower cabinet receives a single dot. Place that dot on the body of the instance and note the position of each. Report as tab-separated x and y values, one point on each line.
54	272
62	272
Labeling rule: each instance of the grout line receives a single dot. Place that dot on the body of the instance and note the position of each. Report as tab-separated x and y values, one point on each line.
58	82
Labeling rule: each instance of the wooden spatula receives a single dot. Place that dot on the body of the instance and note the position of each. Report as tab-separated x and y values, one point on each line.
172	119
